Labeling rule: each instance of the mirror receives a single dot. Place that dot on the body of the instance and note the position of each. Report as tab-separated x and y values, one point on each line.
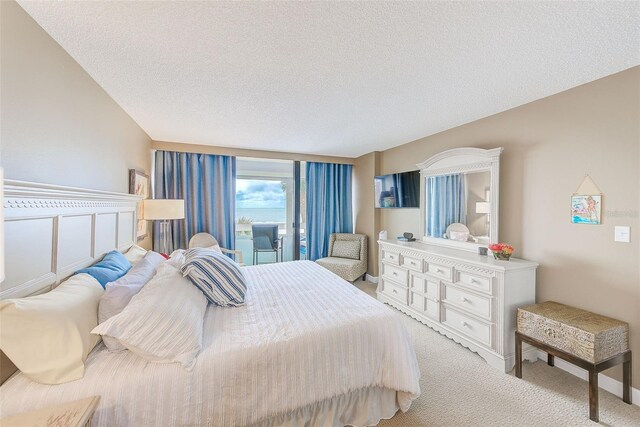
459	194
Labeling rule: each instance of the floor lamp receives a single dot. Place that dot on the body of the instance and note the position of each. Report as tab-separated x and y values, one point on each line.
163	210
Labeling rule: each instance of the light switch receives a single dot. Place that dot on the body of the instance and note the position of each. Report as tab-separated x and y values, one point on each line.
622	234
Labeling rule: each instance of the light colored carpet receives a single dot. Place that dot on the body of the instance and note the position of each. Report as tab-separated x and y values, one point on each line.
460	389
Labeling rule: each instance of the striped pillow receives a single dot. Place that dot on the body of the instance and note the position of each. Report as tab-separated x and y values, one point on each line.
216	275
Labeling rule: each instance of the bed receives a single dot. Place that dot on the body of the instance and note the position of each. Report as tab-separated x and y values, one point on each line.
308	348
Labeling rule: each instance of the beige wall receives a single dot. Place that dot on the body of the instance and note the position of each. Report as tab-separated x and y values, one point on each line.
550	145
366	217
58	126
240	152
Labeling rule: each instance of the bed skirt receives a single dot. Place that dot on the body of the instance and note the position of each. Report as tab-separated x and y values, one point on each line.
364	407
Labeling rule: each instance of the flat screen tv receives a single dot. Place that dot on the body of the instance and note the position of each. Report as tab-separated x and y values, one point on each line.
398	190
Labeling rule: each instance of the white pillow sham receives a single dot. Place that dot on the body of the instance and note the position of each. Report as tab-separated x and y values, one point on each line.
120	292
48	336
135	254
163	322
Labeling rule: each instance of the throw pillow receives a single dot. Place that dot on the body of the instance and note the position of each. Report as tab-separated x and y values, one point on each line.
112	267
216	275
346	249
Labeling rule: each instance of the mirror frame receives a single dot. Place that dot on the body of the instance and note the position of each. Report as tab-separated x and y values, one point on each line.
462	160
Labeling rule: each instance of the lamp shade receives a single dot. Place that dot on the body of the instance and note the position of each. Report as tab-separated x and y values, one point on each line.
1	225
483	207
159	209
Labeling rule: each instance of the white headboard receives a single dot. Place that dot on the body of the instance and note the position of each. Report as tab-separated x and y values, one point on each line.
51	231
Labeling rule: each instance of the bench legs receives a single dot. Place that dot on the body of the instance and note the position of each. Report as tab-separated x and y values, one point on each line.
593	395
593	369
626	381
518	356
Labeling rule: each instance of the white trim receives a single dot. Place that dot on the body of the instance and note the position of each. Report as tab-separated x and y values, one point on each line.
607	383
16	189
372	279
53	230
462	160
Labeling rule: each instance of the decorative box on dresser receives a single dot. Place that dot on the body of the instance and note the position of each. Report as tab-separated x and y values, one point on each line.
470	298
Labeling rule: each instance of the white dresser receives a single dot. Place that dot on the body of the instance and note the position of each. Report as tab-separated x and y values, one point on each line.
470	298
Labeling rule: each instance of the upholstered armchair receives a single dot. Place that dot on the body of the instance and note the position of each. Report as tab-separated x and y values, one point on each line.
347	256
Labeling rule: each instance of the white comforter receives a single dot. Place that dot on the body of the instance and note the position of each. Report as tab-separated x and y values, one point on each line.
303	336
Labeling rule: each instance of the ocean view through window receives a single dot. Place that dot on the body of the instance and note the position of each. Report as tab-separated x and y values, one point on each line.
265	200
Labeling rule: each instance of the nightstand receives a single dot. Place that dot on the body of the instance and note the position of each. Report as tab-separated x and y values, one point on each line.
73	414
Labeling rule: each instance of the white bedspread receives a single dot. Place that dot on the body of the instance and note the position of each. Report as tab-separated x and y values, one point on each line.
303	336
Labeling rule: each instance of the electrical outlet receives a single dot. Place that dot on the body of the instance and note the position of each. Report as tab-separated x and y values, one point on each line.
622	234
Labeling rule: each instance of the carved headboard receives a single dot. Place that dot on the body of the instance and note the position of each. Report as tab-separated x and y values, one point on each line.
51	231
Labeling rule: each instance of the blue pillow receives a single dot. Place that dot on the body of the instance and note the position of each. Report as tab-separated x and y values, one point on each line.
112	267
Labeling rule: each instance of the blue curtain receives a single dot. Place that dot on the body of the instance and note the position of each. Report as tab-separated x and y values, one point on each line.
328	205
446	202
207	183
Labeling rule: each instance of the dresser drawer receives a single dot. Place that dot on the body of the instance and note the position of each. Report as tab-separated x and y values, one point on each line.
475	329
391	257
474	281
442	271
475	304
395	291
415	264
424	305
426	286
397	274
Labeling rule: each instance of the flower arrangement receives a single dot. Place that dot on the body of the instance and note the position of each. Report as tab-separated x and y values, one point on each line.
501	251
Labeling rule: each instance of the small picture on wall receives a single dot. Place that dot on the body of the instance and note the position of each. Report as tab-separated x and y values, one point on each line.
586	209
139	185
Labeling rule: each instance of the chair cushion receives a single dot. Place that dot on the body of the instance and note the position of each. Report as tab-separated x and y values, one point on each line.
341	262
348	269
346	249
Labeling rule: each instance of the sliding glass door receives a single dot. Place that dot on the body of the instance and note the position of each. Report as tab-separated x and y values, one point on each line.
268	218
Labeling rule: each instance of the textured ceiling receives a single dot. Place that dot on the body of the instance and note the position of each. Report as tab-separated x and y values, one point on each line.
339	78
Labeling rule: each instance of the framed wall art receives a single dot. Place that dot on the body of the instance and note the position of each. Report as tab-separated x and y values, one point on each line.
139	185
586	203
586	209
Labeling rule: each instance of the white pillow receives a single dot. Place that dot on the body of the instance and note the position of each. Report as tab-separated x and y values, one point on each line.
176	258
48	336
163	322
118	293
135	254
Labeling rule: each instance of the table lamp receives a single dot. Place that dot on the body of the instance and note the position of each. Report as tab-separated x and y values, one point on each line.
163	210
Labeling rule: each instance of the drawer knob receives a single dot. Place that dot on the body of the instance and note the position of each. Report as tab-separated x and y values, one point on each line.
439	270
464	299
394	273
474	281
465	324
413	263
394	291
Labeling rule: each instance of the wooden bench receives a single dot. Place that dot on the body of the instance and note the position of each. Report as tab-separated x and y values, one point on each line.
588	340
